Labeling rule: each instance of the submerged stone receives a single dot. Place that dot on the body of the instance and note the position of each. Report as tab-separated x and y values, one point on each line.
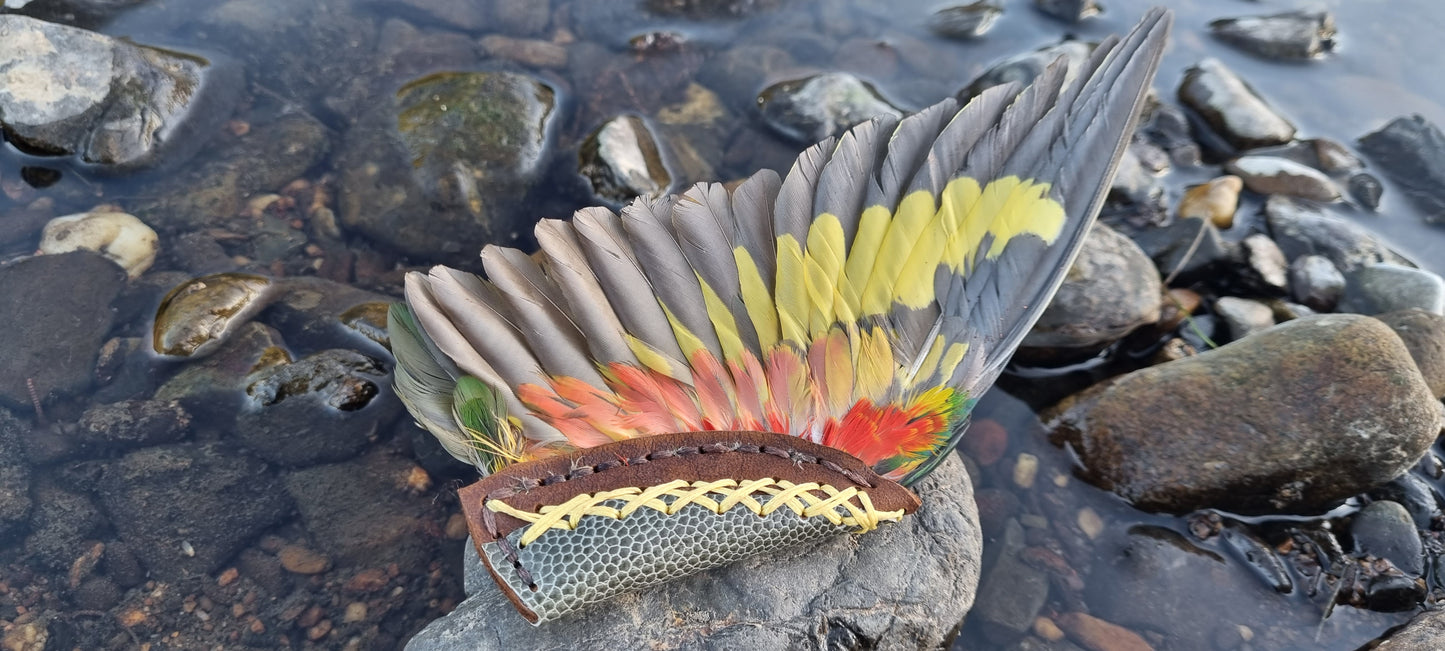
622	160
813	108
119	237
199	315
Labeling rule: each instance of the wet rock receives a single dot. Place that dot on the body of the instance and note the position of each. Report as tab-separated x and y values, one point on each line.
297	559
320	409
1273	175
813	108
1233	109
1411	151
121	238
1025	67
705	9
444	169
56	317
97	593
1424	336
1385	530
1136	190
1300	228
1379	288
799	599
30	636
521	17
1111	289
213	389
14	476
131	424
1365	189
1414	494
1183	247
315	313
1167	127
526	51
621	160
1426	632
1012	591
468	16
1216	201
1069	10
1301	415
1265	270
1316	282
62	524
965	21
188	508
1095	633
196	317
362	514
1243	317
109	103
1290	35
276	149
1322	154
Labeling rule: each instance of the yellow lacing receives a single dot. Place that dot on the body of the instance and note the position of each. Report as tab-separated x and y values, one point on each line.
799	498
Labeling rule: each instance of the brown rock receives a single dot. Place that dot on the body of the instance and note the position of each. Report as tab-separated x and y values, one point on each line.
301	560
1424	336
369	580
1216	201
1098	635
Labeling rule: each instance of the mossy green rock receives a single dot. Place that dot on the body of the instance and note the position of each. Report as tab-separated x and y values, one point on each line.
447	166
1291	419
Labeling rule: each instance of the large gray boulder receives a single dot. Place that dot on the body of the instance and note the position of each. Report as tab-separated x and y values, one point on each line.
906	586
113	104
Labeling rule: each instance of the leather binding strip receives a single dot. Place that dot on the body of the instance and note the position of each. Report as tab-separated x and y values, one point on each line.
641	512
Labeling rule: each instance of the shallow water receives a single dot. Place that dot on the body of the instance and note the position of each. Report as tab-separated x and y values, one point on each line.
1386	65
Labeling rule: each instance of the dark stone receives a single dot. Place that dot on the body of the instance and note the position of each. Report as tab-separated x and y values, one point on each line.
15	500
813	108
965	21
323	408
1413	493
52	337
1392	593
1366	189
1301	228
445	167
131	424
1290	35
1069	10
96	594
1411	151
796	599
62	525
1231	108
1385	530
1424	336
1012	591
362	513
188	508
315	313
213	388
1173	248
1291	419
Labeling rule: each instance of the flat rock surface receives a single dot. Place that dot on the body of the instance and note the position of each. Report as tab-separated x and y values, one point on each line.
1292	418
900	587
1424	633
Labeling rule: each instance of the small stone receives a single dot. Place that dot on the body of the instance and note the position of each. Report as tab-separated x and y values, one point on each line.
1290	35
1316	282
813	108
1411	151
30	636
355	612
228	576
1366	189
1090	523
302	560
1026	469
1181	249
1232	108
1216	201
320	630
1379	288
986	441
1098	635
1265	269
965	21
1047	629
531	52
121	238
622	160
1273	175
1071	11
1243	316
1424	335
1025	67
368	580
197	316
1384	529
1012	592
456	528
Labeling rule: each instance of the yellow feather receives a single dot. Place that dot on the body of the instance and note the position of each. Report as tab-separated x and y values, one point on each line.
875	366
872	226
790	292
823	263
837	372
757	299
723	322
951	359
929	365
914	213
1029	210
686	340
655	360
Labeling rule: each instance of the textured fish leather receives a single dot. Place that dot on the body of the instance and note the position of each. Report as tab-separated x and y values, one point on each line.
564	570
